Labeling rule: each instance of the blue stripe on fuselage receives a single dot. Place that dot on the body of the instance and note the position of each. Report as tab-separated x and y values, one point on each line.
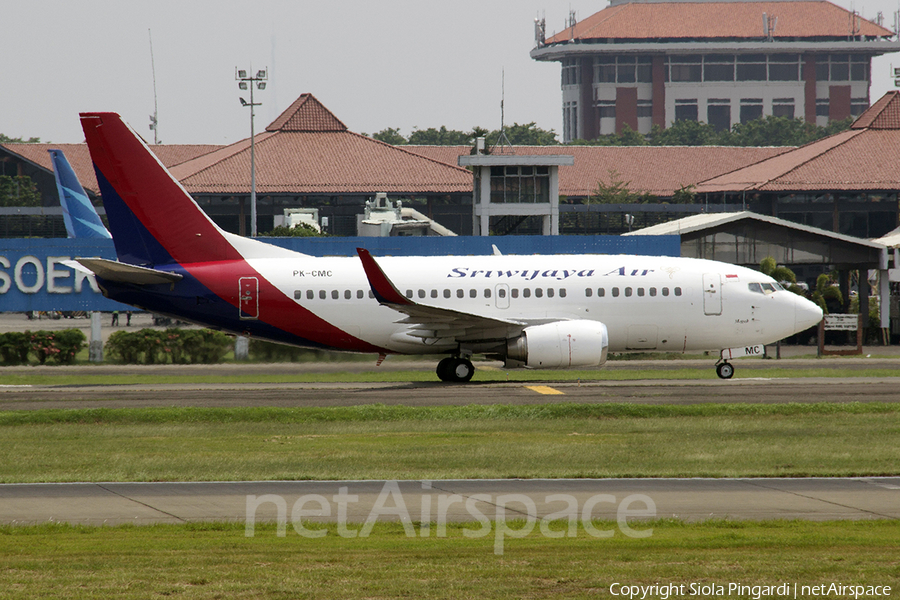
192	301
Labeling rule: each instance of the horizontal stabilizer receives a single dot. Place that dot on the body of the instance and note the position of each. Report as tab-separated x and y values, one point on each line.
113	270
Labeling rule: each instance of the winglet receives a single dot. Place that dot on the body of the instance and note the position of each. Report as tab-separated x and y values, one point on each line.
382	287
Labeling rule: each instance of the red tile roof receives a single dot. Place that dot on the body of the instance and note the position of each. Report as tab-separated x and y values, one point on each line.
306	114
884	114
866	157
80	159
657	170
330	162
717	20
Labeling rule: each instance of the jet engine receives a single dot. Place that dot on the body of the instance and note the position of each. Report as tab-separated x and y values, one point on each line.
560	345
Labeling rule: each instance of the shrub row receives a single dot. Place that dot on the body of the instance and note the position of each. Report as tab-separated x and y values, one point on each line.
47	347
177	346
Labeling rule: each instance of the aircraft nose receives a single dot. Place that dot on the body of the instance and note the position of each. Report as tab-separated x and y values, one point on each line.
806	314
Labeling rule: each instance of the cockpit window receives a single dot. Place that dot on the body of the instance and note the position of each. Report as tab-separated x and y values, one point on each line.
764	288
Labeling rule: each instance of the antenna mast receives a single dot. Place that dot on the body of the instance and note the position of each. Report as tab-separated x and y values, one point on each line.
502	139
154	122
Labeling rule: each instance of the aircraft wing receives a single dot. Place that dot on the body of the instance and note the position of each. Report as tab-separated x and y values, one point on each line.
113	270
433	322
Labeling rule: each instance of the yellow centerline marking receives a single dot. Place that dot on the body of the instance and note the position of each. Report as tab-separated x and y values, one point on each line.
543	389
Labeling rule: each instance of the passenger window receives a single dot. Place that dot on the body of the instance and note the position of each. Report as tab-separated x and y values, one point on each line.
359	294
409	294
526	293
460	293
588	292
641	292
678	291
322	295
335	294
310	295
562	292
487	292
601	292
434	293
371	295
539	293
665	291
421	293
515	292
446	293
652	292
501	293
615	292
628	292
473	293
550	292
347	294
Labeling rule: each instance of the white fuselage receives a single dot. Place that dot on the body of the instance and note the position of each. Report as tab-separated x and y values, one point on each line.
646	302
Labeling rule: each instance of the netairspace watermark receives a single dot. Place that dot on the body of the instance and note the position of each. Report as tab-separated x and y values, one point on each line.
665	591
505	508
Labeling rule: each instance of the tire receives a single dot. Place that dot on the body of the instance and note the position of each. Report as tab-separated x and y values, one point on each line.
725	370
463	370
445	369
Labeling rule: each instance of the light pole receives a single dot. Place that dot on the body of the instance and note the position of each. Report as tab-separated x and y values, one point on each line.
244	82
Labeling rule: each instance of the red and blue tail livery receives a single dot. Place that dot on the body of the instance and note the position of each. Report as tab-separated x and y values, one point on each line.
549	311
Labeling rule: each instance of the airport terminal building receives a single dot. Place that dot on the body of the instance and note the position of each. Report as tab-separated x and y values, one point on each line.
640	63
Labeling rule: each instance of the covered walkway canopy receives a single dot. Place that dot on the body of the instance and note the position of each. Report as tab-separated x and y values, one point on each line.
746	238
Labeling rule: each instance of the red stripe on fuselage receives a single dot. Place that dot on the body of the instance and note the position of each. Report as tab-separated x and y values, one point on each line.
275	309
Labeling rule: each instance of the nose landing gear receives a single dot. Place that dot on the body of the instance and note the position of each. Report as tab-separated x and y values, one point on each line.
724	370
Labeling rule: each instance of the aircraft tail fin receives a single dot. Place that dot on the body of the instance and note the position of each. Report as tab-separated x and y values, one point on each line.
80	216
152	218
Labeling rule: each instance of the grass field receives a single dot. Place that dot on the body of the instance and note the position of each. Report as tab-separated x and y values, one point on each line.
218	561
498	441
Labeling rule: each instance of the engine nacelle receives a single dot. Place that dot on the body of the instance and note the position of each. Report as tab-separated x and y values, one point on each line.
560	345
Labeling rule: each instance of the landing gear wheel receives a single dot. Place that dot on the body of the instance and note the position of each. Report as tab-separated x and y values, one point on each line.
444	369
724	370
455	370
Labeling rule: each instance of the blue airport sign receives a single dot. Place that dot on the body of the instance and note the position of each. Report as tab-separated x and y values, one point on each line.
32	277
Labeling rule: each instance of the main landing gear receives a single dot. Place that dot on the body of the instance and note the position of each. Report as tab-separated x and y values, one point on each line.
455	369
724	370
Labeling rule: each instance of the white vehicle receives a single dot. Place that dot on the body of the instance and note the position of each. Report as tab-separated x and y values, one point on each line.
553	311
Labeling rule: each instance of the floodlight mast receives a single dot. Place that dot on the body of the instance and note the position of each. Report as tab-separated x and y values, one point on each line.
244	82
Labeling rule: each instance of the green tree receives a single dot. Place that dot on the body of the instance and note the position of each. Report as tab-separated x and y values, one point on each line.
440	137
628	137
391	136
18	191
683	133
525	135
299	230
616	191
827	293
684	195
4	139
771	131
